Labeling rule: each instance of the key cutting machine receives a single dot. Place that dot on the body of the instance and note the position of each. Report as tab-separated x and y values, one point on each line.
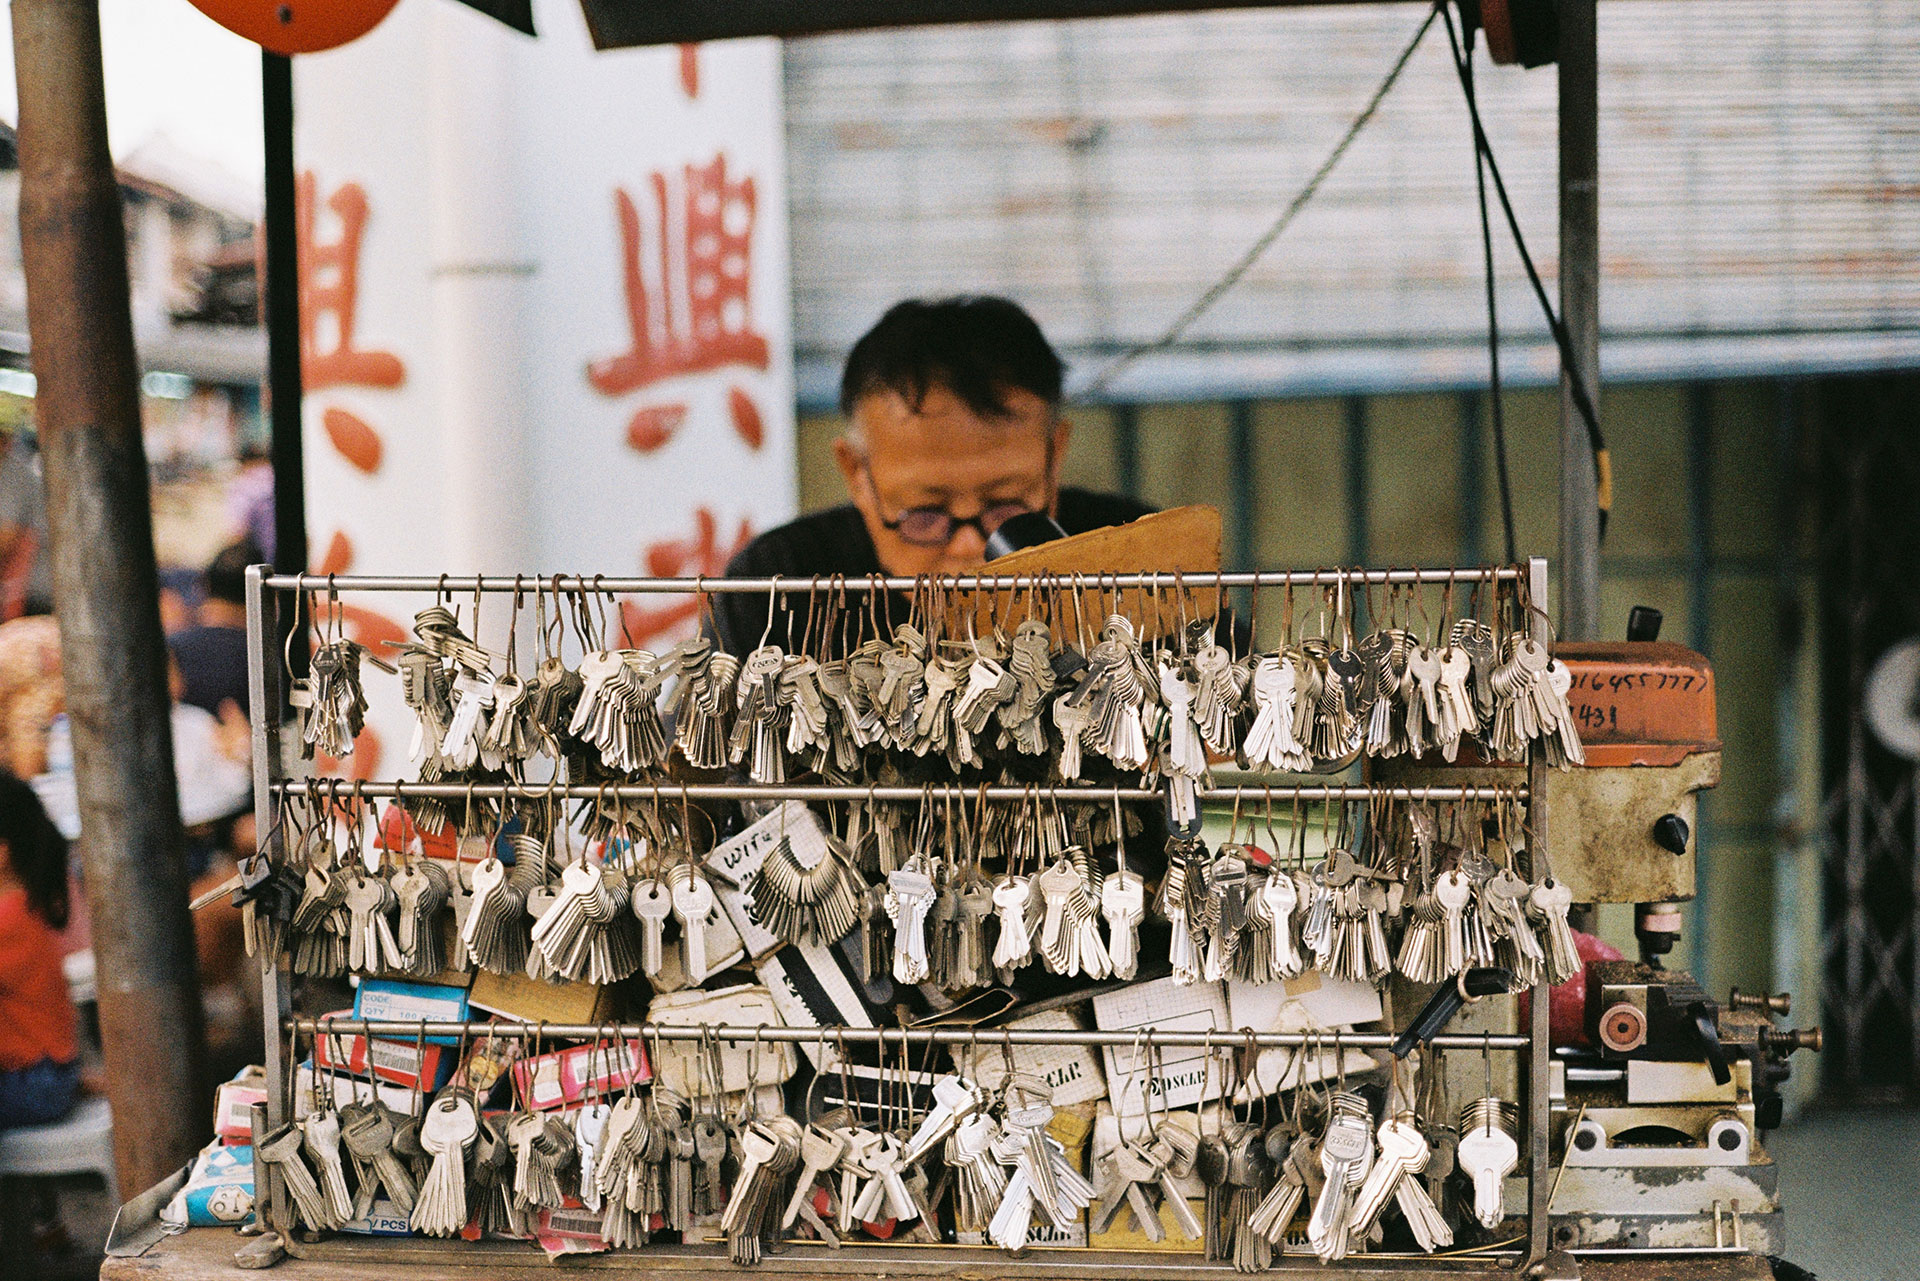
1660	1094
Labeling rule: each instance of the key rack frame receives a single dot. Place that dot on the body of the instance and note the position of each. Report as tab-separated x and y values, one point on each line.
267	595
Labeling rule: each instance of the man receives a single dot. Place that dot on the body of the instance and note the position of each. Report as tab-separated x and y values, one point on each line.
212	655
954	427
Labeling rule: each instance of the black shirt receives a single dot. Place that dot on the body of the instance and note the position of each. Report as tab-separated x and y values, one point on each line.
213	666
835	541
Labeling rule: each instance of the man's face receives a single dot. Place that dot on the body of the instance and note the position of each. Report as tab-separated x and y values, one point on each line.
943	455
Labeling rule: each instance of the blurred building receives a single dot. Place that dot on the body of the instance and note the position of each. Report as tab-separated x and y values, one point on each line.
190	263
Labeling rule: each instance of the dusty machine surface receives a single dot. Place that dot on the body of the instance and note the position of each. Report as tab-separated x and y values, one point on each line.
1662	1098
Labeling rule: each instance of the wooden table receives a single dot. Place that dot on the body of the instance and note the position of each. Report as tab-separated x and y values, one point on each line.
207	1253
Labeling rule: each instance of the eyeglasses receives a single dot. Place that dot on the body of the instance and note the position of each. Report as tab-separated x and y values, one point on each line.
936	526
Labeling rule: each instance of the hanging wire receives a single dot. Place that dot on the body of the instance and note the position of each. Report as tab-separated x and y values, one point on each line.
1576	385
1232	276
1494	399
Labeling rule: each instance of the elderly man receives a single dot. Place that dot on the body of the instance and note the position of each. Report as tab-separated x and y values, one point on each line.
954	427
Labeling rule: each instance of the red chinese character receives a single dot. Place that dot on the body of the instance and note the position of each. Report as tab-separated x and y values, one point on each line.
696	317
330	290
690	70
681	557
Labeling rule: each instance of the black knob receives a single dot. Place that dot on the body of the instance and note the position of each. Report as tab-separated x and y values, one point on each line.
1643	623
1670	833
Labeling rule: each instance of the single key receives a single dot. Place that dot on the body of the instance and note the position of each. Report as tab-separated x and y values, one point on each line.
820	1151
1191	1229
709	1149
1123	904
692	904
652	902
589	1131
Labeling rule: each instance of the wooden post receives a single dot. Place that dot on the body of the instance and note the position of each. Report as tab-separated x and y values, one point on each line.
106	592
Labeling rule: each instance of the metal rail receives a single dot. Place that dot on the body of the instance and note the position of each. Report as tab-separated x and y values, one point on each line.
668	790
1221	1039
576	584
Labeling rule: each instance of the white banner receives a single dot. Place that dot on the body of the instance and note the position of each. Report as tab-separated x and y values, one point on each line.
545	313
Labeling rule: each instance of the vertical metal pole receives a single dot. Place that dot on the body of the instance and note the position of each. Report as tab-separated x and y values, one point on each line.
282	298
1242	546
1358	489
1539	1172
1126	449
1579	566
73	246
264	701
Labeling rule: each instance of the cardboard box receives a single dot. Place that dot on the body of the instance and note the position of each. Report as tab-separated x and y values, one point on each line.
390	999
406	1063
348	1089
516	996
1308	1002
1073	1071
747	1005
568	1076
1167	1077
233	1102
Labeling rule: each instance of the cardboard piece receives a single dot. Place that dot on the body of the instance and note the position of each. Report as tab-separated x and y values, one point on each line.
1186	539
516	996
736	861
1073	1071
1308	1002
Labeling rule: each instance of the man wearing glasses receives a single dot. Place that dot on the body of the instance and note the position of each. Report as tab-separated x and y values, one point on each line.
954	428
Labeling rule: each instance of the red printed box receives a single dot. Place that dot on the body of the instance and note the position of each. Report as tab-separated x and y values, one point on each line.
233	1106
568	1076
400	1062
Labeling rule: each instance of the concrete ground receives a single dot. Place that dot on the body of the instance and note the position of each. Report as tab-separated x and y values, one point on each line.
1847	1179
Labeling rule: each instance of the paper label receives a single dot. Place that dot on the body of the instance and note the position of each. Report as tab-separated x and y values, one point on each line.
1168	1077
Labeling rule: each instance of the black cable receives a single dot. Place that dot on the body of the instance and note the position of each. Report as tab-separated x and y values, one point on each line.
1493	336
1233	274
1576	386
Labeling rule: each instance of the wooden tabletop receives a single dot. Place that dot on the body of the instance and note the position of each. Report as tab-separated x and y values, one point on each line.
204	1254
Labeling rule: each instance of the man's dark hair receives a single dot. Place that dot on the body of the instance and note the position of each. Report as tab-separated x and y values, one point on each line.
227	575
978	348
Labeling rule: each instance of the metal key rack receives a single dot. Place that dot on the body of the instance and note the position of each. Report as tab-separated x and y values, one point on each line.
268	616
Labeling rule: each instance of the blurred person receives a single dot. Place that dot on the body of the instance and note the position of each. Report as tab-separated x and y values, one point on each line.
212	653
250	499
954	427
32	694
39	1055
181	592
26	570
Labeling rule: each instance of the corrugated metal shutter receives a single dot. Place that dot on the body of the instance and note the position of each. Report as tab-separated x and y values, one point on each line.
1760	198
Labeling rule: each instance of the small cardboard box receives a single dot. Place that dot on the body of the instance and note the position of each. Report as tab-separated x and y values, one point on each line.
516	996
1161	1077
398	1062
1073	1071
391	1000
568	1076
347	1089
233	1103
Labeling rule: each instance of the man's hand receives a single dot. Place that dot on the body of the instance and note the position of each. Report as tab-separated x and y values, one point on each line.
234	735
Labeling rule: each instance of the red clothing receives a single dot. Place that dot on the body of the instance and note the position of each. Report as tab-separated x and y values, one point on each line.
36	1014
